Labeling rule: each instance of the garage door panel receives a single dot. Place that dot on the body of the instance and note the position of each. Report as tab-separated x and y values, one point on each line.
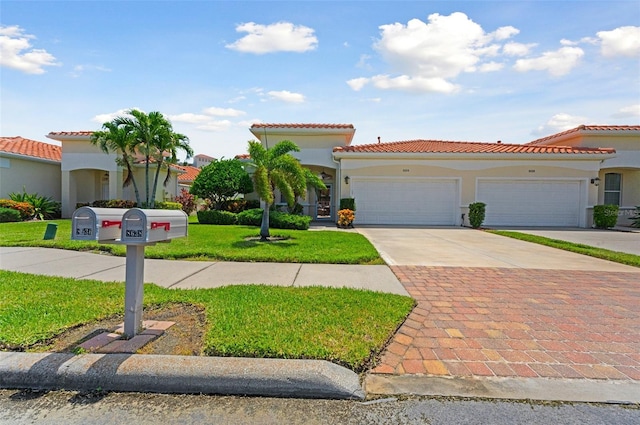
423	202
530	203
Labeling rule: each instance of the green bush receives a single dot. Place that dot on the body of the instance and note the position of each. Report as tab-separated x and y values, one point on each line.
476	214
113	203
277	219
25	209
162	205
348	204
217	217
280	220
8	214
605	216
251	217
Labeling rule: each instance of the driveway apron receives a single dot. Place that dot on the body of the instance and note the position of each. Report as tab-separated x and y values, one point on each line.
552	315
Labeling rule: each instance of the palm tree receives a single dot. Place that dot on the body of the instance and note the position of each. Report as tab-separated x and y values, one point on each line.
116	138
276	168
153	137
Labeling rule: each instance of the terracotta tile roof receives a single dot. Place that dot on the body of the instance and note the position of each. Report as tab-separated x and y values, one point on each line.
70	133
26	147
264	125
201	155
441	146
189	175
603	128
243	156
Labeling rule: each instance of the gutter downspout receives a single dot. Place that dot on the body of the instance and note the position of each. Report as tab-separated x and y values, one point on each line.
338	185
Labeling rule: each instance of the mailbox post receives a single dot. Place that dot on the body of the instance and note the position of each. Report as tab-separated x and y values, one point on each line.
135	228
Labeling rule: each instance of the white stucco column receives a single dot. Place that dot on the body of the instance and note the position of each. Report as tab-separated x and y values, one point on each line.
115	185
69	194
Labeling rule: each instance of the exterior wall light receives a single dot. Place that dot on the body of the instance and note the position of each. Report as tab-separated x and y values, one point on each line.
346	179
595	181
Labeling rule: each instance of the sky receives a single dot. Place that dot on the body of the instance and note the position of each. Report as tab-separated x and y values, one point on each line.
477	71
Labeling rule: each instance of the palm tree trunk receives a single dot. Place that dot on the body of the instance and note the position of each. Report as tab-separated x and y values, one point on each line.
264	227
155	185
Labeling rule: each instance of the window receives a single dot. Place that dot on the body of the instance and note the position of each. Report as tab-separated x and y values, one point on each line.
612	183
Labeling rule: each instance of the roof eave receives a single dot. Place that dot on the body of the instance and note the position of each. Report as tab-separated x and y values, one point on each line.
30	158
593	156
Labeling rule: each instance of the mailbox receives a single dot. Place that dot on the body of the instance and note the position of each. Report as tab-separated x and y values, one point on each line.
147	226
96	224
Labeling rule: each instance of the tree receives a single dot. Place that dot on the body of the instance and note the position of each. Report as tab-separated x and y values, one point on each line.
221	181
276	168
116	138
148	135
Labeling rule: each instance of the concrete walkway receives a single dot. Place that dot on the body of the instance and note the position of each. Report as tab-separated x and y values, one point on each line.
198	274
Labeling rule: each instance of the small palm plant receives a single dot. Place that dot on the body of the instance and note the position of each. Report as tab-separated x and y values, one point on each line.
44	207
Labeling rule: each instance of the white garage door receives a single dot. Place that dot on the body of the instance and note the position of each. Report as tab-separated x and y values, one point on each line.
405	201
530	202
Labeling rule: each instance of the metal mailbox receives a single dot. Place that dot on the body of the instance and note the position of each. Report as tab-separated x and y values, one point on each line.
147	226
96	224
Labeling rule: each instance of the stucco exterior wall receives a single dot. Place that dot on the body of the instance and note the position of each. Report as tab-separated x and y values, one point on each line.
35	176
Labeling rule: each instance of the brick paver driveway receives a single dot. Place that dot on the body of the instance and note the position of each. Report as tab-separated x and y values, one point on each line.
518	322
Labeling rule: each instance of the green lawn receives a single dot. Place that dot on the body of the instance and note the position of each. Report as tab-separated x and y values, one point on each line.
345	326
216	243
605	254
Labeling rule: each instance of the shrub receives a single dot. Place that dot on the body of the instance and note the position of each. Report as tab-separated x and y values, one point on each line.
636	218
346	217
43	206
113	203
8	215
277	219
166	205
348	204
280	220
25	209
187	200
605	216
476	214
217	217
252	217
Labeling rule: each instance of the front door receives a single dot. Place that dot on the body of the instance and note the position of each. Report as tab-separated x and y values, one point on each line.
323	203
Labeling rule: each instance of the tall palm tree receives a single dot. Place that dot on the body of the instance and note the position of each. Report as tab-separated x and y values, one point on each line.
276	168
117	139
153	137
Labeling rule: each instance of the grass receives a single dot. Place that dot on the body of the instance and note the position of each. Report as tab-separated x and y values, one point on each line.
345	326
605	254
216	243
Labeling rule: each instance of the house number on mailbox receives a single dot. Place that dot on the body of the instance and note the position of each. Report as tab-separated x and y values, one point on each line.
134	233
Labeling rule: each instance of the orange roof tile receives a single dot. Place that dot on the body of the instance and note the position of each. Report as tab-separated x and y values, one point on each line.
70	133
291	125
189	175
603	128
441	146
27	147
243	156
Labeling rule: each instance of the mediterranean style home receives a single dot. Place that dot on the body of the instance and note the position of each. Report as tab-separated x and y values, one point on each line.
552	181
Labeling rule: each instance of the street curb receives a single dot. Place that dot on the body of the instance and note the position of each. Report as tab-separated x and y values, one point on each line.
179	374
545	389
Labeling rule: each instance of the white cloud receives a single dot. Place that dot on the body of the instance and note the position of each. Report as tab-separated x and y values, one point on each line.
78	70
517	49
223	112
631	111
16	52
427	55
557	63
189	118
286	96
214	125
622	41
278	37
559	122
490	67
102	118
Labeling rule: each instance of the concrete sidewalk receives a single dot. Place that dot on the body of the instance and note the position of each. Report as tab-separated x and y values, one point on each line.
178	274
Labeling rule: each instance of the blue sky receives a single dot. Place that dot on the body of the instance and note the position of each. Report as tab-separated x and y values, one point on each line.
402	70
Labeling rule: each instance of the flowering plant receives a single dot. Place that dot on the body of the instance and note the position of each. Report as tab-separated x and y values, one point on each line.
346	217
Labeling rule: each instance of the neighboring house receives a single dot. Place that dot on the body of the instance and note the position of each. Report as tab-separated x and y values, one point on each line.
89	174
553	181
29	165
202	160
189	174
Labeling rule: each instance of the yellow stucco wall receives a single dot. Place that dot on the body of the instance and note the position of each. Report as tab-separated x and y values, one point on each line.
36	177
